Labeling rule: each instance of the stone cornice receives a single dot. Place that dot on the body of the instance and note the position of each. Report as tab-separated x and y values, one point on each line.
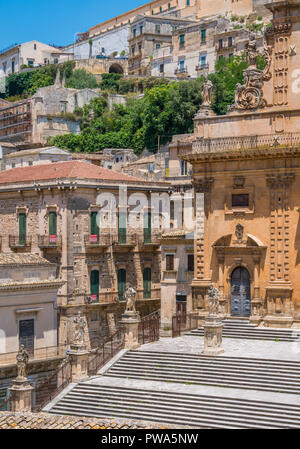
30	285
242	154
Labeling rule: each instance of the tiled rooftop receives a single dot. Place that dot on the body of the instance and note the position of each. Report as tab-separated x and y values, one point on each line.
22	259
61	170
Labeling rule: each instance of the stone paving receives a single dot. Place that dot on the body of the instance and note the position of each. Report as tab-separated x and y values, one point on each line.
233	347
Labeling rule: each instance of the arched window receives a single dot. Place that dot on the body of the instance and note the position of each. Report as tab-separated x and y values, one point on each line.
121	283
147	282
95	285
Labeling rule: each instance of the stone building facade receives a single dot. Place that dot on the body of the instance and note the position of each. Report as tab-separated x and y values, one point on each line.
246	165
28	316
52	211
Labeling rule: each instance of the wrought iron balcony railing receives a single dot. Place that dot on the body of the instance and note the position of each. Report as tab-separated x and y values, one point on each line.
49	241
19	241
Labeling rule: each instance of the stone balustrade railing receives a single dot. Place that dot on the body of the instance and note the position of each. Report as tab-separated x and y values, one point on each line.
223	144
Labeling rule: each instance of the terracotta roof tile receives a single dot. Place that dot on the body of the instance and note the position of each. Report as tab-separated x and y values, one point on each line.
61	170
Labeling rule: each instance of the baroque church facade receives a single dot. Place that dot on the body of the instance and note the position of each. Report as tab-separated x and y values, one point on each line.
246	168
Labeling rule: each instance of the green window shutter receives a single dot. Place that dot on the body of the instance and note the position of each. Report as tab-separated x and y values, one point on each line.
147	282
95	285
147	227
122	228
121	283
52	223
94	226
22	229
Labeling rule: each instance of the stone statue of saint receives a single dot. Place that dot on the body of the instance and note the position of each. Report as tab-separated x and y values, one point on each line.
130	296
213	301
79	325
251	50
22	360
206	92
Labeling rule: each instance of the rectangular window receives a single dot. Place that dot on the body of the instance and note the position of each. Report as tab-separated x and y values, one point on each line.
26	335
122	228
240	200
157	46
141	29
94	235
203	36
187	2
183	168
170	262
203	61
134	32
30	62
52	226
13	66
190	262
157	29
181	66
132	50
169	5
181	41
140	48
230	42
161	68
22	229
220	43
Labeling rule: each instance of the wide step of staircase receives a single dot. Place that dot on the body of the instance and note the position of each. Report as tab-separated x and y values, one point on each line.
198	411
234	328
235	372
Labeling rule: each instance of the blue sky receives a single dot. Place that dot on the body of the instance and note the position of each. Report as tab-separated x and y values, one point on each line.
55	21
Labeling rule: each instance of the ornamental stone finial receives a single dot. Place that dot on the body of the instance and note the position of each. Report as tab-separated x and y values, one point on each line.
206	92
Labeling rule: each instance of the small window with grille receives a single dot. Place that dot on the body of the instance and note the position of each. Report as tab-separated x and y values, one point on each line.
240	200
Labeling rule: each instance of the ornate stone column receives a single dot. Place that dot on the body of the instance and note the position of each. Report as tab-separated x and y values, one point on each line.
213	325
257	302
20	391
78	351
222	300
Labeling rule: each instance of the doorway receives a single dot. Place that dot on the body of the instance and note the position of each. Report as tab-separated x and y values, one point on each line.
240	292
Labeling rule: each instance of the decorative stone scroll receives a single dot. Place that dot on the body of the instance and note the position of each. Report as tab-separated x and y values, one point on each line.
249	95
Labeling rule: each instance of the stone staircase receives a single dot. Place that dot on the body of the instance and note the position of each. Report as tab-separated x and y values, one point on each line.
199	411
235	372
242	329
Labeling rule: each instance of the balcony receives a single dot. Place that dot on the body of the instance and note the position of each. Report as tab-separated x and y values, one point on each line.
150	240
19	241
101	298
124	240
225	46
97	241
201	67
49	241
169	275
181	73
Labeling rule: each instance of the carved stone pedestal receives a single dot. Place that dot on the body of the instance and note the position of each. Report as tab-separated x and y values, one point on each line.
213	336
79	361
130	323
20	391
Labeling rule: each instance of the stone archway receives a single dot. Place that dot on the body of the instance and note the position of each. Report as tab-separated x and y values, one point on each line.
116	68
240	292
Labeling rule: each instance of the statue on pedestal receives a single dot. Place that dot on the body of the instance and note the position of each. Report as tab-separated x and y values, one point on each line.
130	296
206	92
22	361
79	325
